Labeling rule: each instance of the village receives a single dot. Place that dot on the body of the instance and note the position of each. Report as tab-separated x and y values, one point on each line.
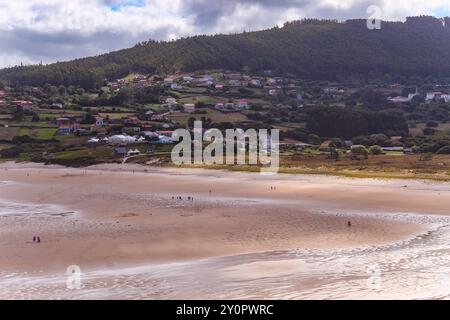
133	118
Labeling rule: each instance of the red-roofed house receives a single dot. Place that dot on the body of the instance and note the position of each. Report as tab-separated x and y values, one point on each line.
24	104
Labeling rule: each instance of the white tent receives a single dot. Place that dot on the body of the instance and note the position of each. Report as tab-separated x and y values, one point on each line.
121	139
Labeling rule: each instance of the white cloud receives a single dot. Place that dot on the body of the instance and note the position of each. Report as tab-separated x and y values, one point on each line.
50	30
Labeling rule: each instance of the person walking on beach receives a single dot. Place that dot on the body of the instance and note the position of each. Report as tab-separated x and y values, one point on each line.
38	239
34	239
349	224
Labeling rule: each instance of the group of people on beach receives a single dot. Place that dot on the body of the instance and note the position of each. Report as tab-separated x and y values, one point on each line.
36	239
181	198
273	188
190	198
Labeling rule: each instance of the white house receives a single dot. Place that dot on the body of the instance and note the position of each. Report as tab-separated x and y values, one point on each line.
400	99
132	152
171	101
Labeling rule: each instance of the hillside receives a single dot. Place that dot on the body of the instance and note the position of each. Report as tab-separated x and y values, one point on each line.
310	49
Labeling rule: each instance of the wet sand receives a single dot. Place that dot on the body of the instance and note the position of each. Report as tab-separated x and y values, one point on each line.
125	228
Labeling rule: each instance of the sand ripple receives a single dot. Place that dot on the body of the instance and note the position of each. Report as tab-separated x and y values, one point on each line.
417	268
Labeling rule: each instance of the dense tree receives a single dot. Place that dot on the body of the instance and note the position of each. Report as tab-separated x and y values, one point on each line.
347	123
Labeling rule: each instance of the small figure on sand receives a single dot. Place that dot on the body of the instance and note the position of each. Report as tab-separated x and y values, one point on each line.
34	239
38	239
349	224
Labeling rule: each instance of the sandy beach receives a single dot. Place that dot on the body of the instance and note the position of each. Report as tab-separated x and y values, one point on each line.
133	237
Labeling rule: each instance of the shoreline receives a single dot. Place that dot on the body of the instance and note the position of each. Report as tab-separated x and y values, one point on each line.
443	177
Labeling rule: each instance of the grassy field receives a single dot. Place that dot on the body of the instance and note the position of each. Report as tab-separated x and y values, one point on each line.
46	133
379	167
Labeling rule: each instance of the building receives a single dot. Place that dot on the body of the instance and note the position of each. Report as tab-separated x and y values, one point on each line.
99	121
189	108
229	106
166	133
255	83
24	104
175	86
133	120
393	149
168	82
243	105
334	90
233	76
64	125
271	82
120	151
164	140
171	103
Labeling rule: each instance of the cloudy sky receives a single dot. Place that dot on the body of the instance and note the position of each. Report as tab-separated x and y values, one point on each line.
54	30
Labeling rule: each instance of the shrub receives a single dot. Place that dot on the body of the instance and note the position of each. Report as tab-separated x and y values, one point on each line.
359	153
12	152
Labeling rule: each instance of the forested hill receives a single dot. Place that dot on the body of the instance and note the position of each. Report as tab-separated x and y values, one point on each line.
308	49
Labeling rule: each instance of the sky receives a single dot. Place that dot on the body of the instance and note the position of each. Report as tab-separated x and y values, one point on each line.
34	31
